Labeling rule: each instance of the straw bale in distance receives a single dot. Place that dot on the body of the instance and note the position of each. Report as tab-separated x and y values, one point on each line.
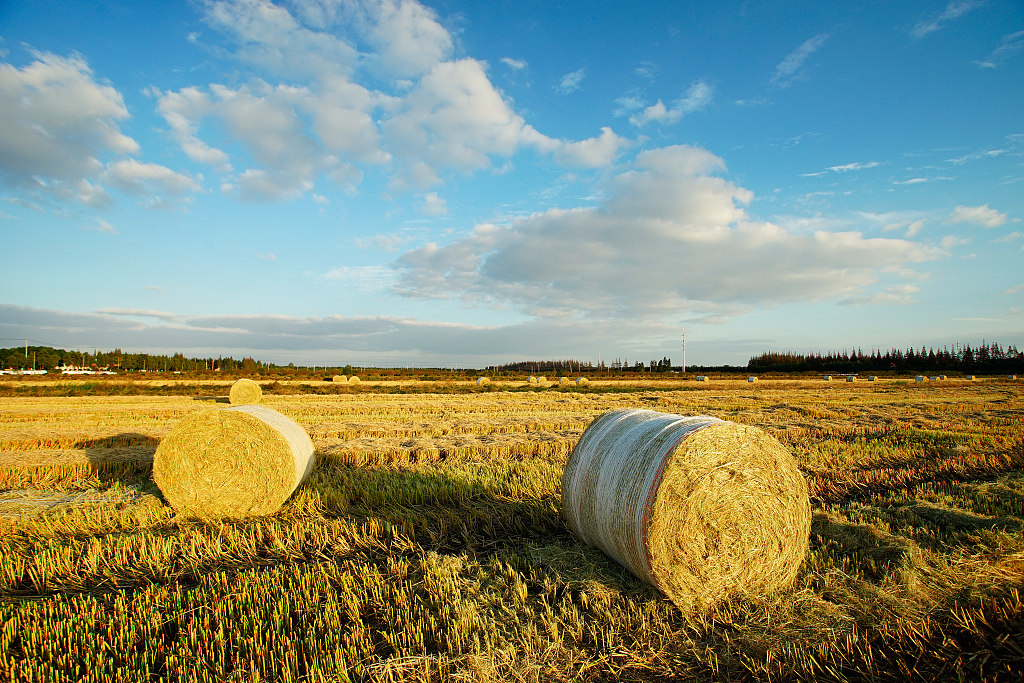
339	378
873	378
480	381
353	380
580	381
751	379
703	509
245	392
701	378
232	462
851	378
532	380
563	381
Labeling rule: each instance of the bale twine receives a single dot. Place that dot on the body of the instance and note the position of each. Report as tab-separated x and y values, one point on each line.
353	380
580	381
232	462
339	378
245	392
480	381
563	381
700	508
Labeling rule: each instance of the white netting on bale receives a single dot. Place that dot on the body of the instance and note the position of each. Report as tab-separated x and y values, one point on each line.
232	462
700	508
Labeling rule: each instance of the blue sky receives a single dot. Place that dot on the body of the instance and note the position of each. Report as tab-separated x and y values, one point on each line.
452	183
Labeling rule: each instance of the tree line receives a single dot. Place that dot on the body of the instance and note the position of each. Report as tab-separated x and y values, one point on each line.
985	359
49	358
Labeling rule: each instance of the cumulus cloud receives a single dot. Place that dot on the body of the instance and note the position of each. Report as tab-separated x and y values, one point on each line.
670	235
570	82
896	294
592	152
697	97
432	205
953	11
977	215
791	67
514	64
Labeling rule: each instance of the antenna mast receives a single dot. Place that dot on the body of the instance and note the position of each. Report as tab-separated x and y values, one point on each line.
684	352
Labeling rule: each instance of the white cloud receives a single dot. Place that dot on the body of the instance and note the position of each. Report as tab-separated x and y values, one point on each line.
950	241
647	70
1013	290
1015	235
150	181
914	228
593	152
140	313
570	82
974	156
1012	44
363	279
789	68
912	181
697	97
389	243
432	205
154	288
269	256
853	167
897	294
953	10
104	227
514	64
977	215
58	123
669	236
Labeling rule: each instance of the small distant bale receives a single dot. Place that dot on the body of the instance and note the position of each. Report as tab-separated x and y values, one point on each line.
232	462
851	378
481	381
1011	377
751	379
542	381
873	378
828	378
339	378
933	378
245	392
353	380
564	381
532	380
702	509
702	378
942	377
920	378
582	381
970	378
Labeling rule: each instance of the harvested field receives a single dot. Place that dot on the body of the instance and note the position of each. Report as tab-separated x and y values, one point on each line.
428	544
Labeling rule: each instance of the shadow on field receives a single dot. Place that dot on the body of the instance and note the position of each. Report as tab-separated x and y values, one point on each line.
126	457
212	399
444	509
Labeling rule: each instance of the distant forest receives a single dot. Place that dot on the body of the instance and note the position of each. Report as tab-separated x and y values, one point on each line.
986	359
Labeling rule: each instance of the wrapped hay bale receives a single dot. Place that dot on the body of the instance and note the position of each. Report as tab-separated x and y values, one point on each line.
702	378
532	380
851	378
542	381
339	378
563	381
581	381
751	379
245	392
700	508
232	462
481	381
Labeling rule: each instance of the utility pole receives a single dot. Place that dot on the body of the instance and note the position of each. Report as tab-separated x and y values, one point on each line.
684	352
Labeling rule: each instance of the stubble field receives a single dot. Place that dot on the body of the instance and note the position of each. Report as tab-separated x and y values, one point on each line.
428	543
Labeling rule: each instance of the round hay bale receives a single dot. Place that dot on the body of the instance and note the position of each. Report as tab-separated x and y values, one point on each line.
563	381
339	378
542	381
581	381
873	378
702	378
353	380
532	380
232	462
851	378
480	381
828	378
245	392
700	508
751	379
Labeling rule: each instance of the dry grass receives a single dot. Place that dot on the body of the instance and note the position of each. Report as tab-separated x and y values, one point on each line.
428	544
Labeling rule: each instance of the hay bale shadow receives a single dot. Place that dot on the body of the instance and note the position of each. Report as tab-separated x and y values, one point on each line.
955	519
212	399
886	552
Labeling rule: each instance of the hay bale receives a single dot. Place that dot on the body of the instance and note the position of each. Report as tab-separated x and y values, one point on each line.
1011	377
339	378
245	392
872	378
532	380
919	378
353	380
942	377
751	379
851	378
563	381
969	378
703	509
480	381
828	378
581	381
703	378
542	381
232	462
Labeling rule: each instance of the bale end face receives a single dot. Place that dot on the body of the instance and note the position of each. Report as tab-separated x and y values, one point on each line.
245	392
